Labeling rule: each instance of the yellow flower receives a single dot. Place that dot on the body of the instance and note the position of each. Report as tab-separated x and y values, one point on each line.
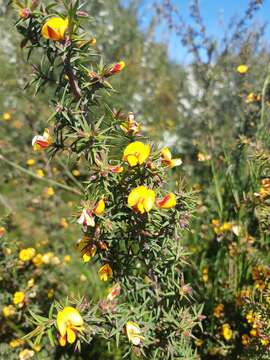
37	348
242	69
16	343
251	97
27	254
167	158
30	162
50	191
105	272
227	332
64	223
253	332
117	169
141	199
40	142
47	257
55	28
75	173
203	157
136	153
6	116
18	298
67	258
2	231
134	333
26	354
205	274
250	317
30	283
227	226
8	311
69	322
168	202
264	341
40	173
38	260
99	208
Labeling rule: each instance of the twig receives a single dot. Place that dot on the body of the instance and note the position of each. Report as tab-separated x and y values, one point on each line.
33	175
4	202
264	91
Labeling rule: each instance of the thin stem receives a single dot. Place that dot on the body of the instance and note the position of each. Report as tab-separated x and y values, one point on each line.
33	175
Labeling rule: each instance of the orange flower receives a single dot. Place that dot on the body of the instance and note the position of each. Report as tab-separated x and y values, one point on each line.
168	202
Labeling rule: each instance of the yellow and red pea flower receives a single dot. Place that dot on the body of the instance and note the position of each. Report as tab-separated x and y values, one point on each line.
117	169
69	322
24	13
141	199
55	28
116	68
136	153
40	142
167	159
168	202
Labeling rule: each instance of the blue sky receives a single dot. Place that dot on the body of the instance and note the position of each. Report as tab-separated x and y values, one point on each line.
215	12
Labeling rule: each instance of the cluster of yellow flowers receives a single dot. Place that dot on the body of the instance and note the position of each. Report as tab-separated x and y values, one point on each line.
257	327
29	254
220	228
